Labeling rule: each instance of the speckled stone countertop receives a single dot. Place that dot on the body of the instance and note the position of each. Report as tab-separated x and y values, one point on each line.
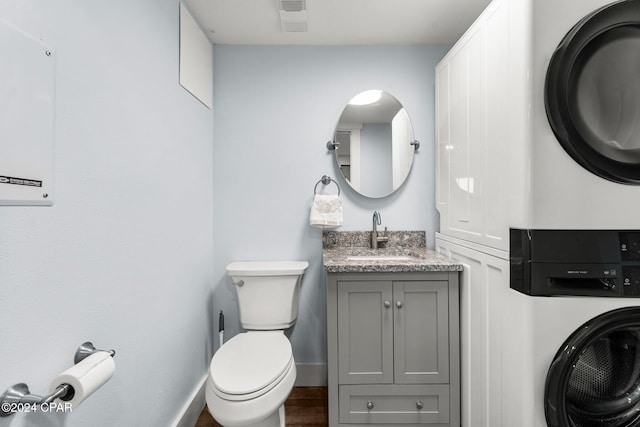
338	248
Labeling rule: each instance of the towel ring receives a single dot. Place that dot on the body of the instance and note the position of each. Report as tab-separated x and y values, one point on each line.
326	180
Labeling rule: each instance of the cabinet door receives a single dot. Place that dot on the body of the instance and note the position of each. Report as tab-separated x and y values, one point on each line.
421	330
365	334
484	289
479	167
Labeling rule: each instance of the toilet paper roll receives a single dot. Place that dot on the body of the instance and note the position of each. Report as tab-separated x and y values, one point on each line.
85	377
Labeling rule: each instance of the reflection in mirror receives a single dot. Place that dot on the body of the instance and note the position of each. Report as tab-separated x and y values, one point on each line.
374	150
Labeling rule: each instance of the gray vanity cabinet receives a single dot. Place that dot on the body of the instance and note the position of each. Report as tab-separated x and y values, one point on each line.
393	352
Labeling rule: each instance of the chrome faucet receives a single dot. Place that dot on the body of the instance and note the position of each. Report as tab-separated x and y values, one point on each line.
375	238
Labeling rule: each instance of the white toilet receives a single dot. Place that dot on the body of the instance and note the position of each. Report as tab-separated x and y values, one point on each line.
252	374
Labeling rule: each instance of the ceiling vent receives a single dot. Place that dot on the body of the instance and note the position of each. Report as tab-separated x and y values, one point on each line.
293	15
292	5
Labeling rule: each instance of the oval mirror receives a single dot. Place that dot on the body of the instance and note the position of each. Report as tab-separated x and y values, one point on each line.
374	143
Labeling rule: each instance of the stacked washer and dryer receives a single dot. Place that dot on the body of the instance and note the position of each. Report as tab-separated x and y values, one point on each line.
538	173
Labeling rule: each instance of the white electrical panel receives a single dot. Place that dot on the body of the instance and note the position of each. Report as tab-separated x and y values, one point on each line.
27	106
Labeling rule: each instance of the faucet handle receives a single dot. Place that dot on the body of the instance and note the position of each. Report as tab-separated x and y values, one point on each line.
384	237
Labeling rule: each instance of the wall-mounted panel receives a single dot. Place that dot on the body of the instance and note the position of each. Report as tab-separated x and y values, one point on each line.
27	94
196	59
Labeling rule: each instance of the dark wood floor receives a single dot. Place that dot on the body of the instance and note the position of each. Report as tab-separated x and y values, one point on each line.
306	406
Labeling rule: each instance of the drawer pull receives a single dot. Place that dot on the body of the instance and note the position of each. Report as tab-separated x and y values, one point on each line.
369	405
387	304
399	304
419	405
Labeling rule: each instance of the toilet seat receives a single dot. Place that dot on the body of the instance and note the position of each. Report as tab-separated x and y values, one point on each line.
250	364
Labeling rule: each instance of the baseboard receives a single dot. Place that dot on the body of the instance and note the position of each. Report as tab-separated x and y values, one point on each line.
193	407
311	375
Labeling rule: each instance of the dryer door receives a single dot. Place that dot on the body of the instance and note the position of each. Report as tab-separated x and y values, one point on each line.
592	92
594	379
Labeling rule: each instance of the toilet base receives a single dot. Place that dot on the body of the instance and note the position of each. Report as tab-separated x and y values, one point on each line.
274	420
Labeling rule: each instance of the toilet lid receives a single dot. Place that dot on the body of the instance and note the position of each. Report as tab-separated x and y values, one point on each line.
250	361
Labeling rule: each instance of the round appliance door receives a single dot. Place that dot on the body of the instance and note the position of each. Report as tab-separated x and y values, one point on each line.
592	92
594	379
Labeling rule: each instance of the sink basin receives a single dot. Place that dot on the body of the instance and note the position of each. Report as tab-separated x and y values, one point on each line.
381	258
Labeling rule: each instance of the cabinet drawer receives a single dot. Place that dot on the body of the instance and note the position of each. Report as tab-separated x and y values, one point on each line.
394	404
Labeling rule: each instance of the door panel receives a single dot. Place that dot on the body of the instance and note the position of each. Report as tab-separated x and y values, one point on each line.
594	378
365	340
592	93
421	330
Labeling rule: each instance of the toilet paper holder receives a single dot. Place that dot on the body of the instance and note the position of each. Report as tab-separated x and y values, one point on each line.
18	396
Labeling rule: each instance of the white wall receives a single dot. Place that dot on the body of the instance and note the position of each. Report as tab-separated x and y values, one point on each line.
274	110
123	258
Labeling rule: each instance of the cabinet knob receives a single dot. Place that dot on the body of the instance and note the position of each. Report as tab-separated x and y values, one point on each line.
419	405
399	304
387	304
369	405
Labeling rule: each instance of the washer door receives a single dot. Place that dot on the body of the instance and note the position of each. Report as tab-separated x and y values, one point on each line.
592	92
594	379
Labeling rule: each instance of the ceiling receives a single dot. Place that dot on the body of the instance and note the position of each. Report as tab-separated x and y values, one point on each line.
338	22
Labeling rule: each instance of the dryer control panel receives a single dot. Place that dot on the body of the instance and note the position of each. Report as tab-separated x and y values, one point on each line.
575	262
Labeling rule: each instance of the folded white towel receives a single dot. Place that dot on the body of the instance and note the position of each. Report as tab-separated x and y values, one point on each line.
326	211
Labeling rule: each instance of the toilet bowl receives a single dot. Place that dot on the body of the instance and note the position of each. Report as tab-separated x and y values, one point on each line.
250	377
253	373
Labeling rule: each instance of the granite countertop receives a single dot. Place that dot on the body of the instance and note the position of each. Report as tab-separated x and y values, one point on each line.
339	248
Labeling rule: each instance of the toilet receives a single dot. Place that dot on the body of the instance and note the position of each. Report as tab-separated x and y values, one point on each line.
253	373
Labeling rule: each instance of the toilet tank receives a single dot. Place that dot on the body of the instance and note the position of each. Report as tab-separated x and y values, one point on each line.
268	292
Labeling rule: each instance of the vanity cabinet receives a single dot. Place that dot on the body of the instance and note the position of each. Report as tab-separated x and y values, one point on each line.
393	348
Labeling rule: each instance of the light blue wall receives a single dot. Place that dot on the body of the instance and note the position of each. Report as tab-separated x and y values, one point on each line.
123	258
274	110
